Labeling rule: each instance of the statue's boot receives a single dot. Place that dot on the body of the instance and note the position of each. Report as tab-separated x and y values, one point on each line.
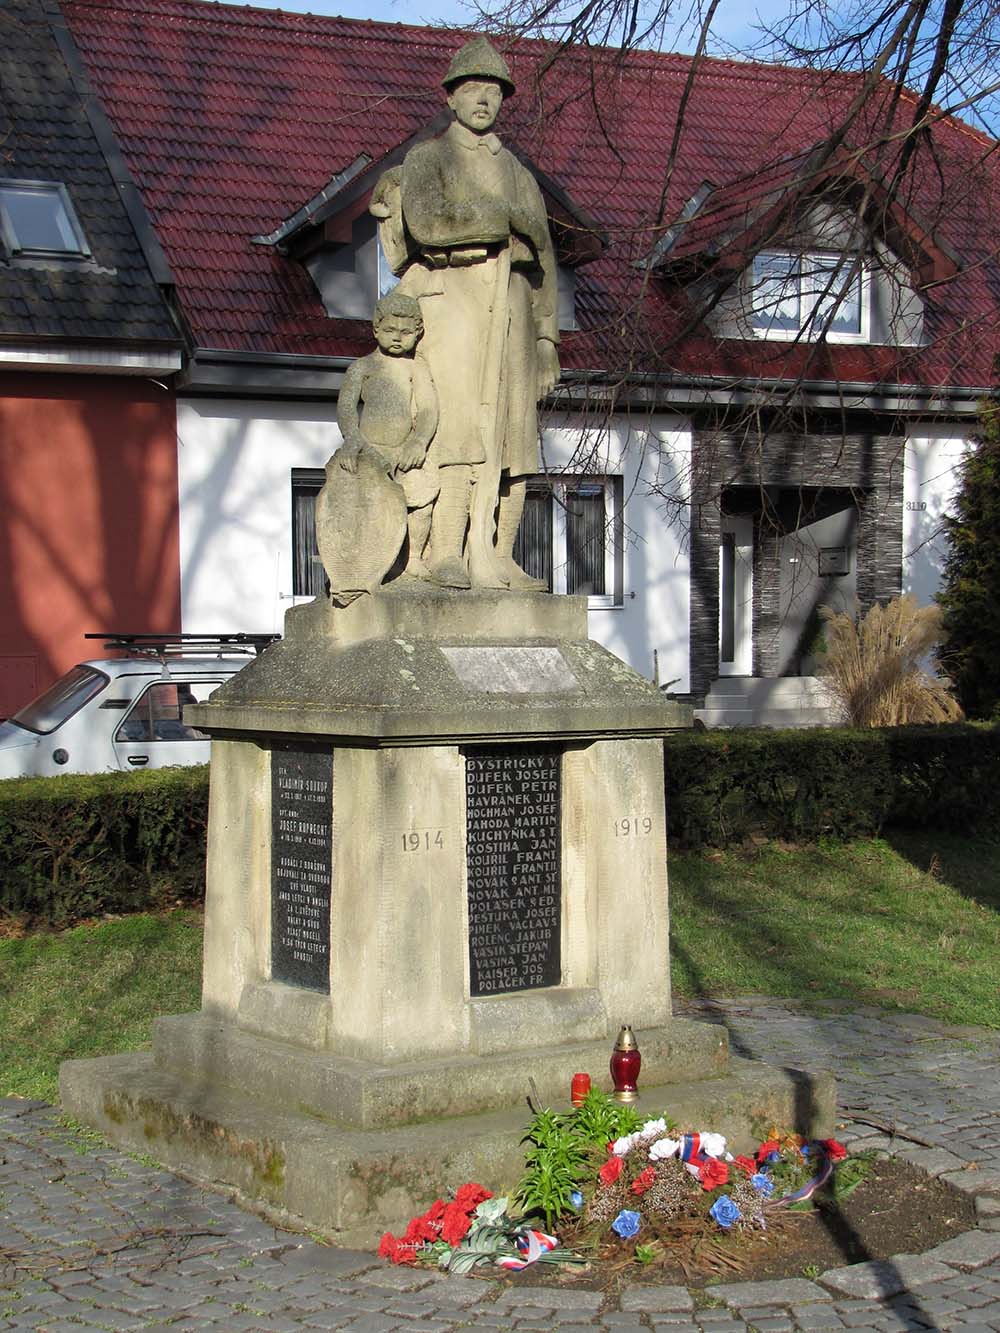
450	573
508	522
518	579
451	515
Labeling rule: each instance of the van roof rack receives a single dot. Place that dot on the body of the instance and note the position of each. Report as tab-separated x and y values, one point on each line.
186	645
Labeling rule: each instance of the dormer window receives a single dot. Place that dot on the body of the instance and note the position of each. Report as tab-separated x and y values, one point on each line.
38	218
808	296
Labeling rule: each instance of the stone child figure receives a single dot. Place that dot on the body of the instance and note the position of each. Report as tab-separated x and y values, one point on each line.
380	485
478	257
388	402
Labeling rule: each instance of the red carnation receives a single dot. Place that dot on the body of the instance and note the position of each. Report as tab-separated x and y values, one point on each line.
712	1173
766	1149
834	1150
611	1170
455	1224
404	1253
470	1196
386	1245
746	1164
643	1180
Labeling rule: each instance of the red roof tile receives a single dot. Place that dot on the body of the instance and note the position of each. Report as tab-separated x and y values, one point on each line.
231	118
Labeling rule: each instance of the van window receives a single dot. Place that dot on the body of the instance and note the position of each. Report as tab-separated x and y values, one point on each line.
61	700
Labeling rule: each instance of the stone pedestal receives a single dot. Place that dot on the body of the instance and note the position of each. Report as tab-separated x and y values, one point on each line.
436	876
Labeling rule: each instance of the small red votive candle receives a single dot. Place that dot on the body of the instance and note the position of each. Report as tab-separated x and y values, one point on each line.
579	1088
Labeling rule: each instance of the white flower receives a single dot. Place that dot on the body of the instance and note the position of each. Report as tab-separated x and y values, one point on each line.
713	1145
662	1149
622	1147
653	1127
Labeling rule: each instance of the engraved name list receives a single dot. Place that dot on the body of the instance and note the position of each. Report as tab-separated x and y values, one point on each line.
513	812
301	833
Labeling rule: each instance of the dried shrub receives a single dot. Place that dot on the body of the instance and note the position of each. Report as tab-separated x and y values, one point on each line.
874	665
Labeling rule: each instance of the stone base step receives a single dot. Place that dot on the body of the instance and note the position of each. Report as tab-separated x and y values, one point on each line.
764	717
781	701
372	1095
351	1185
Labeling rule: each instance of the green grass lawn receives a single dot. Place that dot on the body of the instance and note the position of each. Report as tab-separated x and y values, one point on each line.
913	924
93	990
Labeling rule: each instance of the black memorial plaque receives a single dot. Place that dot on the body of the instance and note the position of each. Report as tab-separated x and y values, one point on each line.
301	846
513	825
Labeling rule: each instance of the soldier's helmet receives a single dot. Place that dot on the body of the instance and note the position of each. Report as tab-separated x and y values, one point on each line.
478	60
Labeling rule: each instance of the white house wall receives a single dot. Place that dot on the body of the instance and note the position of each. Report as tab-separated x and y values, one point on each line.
234	479
930	482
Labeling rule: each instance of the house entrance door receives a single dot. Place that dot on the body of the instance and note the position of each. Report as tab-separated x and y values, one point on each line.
736	596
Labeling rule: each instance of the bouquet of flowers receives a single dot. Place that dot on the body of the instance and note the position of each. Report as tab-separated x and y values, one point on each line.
474	1228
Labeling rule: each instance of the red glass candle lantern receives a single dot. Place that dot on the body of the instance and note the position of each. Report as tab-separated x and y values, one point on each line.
579	1088
625	1064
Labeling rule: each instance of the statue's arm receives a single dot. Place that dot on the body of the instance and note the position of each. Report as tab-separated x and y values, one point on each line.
349	417
425	418
545	303
436	217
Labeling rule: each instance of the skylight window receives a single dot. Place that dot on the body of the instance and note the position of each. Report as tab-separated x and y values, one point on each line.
38	218
808	295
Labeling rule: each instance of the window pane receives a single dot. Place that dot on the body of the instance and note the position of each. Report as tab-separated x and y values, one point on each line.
830	275
159	714
39	220
386	278
533	547
776	302
727	598
308	574
585	536
61	700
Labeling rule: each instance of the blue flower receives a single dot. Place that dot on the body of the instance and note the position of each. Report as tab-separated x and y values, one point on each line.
773	1157
626	1223
576	1199
805	1150
724	1211
762	1184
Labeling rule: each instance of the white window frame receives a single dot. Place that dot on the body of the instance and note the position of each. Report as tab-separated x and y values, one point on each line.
17	245
810	291
561	487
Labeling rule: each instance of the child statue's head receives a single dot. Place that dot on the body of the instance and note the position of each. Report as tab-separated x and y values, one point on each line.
398	324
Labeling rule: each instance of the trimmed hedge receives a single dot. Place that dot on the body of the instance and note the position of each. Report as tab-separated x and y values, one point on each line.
77	846
726	786
80	845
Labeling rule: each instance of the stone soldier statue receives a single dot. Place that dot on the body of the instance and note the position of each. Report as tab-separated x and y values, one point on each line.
473	245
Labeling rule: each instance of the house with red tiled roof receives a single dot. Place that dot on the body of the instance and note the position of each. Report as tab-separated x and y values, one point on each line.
776	320
88	345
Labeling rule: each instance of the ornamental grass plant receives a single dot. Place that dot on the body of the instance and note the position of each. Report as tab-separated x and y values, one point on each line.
874	665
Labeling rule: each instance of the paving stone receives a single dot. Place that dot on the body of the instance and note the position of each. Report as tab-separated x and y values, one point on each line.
935	1161
397	1279
789	1291
656	1299
324	1259
987	1206
550	1298
972	1249
974	1182
877	1280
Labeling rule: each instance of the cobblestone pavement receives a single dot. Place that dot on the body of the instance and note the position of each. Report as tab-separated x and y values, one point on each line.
90	1238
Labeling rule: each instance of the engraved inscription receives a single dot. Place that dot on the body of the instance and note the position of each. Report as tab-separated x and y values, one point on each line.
513	859
423	840
633	826
301	837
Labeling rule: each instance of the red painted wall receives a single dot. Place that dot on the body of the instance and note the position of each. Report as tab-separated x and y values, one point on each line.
88	520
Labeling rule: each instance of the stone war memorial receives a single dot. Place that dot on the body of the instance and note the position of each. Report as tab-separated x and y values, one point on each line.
436	871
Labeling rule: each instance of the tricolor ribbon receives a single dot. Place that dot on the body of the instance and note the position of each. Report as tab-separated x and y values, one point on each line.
532	1246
